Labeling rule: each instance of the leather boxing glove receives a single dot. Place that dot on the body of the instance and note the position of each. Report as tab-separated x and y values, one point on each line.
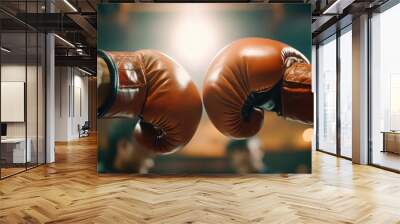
252	75
151	86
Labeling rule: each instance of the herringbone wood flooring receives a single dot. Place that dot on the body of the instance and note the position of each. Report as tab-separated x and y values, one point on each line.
70	191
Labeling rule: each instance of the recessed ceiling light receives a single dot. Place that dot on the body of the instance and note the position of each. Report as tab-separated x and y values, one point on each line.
84	71
70	5
5	50
65	41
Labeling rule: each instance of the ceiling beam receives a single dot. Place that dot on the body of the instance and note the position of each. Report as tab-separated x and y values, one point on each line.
78	61
89	31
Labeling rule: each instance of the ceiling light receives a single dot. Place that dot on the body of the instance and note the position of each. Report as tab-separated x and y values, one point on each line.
84	71
65	41
70	5
329	9
5	50
337	7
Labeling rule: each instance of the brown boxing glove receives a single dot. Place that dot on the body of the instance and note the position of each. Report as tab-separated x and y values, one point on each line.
252	75
153	87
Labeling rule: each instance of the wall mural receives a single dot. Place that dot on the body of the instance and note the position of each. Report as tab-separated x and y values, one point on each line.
204	88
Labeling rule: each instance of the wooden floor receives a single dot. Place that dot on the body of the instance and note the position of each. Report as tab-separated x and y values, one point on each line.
70	191
5	172
387	159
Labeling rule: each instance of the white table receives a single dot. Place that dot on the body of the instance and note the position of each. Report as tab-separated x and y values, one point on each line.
18	149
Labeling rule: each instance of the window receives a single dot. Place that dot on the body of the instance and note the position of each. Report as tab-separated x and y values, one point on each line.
327	96
385	89
345	92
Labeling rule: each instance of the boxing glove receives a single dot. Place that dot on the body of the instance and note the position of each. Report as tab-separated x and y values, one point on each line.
252	75
151	86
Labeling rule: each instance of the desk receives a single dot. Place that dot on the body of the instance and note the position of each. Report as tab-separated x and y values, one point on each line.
13	150
391	141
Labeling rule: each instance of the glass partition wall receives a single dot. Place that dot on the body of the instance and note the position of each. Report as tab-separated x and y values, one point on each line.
334	104
13	121
22	98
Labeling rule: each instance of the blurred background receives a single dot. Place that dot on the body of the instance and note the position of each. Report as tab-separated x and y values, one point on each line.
193	34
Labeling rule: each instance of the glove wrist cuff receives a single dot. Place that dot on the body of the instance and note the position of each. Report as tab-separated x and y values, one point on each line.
297	97
128	85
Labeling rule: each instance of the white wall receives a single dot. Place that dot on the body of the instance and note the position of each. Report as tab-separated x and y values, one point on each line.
61	103
79	117
33	127
71	93
16	73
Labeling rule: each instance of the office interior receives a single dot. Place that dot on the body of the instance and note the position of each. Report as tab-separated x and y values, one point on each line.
39	108
335	70
48	81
